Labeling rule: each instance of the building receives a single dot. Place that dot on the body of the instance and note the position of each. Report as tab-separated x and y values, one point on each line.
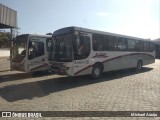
8	19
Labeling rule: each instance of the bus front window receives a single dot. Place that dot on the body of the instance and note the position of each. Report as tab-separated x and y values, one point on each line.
19	48
63	48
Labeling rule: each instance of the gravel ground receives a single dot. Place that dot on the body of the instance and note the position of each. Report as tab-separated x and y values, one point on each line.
123	90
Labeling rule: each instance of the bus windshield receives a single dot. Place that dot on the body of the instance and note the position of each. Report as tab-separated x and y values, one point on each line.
63	48
19	48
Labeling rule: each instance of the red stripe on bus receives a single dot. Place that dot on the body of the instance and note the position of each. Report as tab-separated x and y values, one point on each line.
39	67
128	55
113	59
83	69
100	56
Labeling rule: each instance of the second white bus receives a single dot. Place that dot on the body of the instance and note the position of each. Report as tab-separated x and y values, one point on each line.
29	52
80	51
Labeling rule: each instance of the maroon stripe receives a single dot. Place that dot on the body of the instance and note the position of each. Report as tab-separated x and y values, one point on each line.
83	69
39	67
127	55
114	59
104	56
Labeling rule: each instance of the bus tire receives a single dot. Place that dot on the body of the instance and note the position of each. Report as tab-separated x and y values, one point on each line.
96	71
139	66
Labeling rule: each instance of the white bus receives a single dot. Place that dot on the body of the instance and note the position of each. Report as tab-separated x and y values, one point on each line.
29	52
157	43
80	51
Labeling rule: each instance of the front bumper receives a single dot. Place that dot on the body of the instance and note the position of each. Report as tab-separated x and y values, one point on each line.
58	70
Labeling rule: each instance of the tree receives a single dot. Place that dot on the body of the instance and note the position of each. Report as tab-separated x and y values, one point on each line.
5	39
48	33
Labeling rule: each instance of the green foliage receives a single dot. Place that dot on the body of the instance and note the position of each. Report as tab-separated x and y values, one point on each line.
5	39
48	33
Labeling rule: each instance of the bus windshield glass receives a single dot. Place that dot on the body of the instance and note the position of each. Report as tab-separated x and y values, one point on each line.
19	48
63	48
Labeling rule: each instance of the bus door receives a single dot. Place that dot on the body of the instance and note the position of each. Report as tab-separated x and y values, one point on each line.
82	49
37	56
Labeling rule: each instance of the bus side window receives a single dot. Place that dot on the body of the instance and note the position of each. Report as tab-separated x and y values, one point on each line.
110	43
84	46
36	49
98	42
146	47
49	44
151	47
131	44
122	44
95	45
139	46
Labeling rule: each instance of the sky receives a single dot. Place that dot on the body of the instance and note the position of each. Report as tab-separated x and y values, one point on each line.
138	18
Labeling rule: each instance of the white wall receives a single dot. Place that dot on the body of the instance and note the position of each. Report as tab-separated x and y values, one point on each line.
4	53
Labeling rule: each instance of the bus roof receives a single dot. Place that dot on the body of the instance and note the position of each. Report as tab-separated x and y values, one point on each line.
73	28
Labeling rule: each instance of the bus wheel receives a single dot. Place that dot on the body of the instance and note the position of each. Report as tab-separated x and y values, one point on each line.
139	66
96	71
